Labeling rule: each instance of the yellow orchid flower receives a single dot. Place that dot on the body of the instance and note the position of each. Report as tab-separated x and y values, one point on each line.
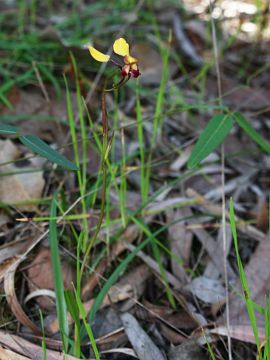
120	47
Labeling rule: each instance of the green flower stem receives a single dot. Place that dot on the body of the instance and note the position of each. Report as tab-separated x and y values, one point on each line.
104	183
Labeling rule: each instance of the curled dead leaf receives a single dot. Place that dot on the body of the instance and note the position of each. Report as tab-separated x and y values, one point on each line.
9	286
32	351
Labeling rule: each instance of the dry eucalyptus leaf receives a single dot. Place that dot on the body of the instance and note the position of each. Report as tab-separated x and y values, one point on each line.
12	249
258	277
5	266
189	350
180	241
130	286
18	312
24	185
40	276
140	341
27	348
46	119
240	332
10	355
208	290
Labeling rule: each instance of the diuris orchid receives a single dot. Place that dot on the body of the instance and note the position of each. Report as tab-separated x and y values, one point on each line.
120	47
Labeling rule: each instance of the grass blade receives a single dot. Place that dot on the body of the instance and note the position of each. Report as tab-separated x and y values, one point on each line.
61	307
75	314
251	132
87	325
244	282
156	253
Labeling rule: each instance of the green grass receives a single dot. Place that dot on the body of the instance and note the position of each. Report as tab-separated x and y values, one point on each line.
263	348
57	278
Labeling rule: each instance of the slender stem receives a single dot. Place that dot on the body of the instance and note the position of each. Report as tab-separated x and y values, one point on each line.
224	235
104	183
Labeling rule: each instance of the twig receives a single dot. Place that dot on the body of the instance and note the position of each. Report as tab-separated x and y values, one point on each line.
224	237
41	83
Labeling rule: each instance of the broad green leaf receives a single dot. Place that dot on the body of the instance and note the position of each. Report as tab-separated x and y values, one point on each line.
212	136
251	132
41	148
61	307
8	130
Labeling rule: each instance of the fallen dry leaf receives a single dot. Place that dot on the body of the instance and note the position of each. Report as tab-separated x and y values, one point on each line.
11	297
26	348
10	355
208	290
118	247
4	266
129	286
25	185
180	241
172	336
155	267
189	350
125	351
140	341
47	120
240	332
12	249
40	276
258	276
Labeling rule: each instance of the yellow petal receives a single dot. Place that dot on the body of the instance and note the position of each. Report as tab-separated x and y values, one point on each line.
121	47
97	55
129	60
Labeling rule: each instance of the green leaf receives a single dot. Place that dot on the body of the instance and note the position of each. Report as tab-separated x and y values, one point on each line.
8	129
61	307
212	136
72	306
251	132
41	148
87	325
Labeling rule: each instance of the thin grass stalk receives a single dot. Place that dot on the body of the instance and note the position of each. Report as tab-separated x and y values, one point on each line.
83	169
158	122
141	144
104	183
123	183
243	280
224	234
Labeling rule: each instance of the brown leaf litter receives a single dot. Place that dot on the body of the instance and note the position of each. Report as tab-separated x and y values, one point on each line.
24	184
